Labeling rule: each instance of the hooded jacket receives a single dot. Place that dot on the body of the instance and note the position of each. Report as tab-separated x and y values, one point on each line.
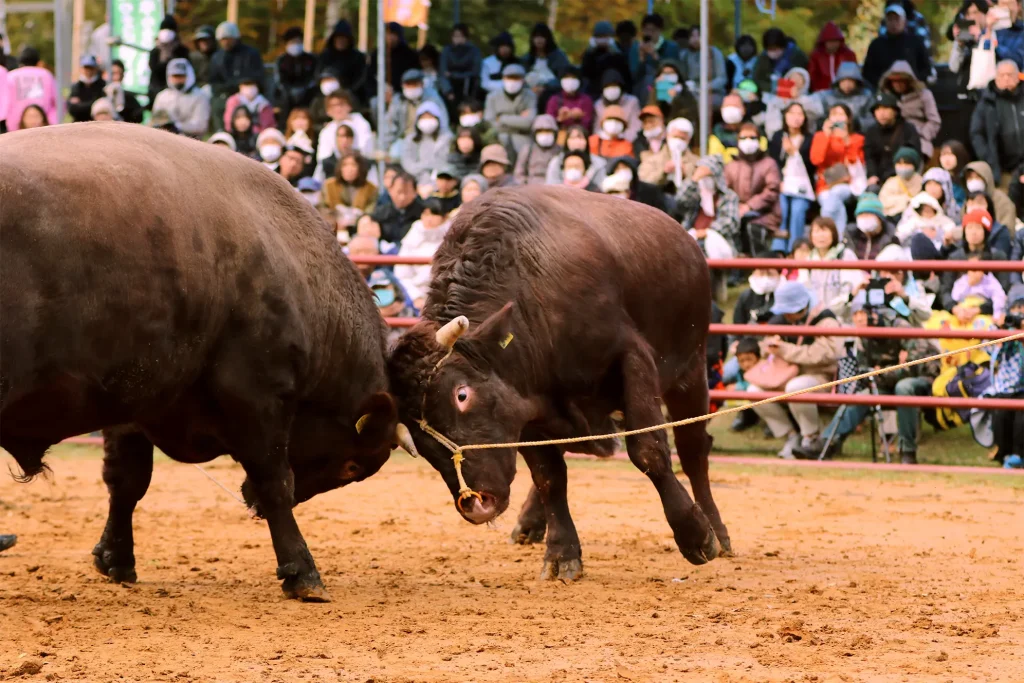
397	61
400	119
188	108
629	104
884	51
859	101
917	105
598	61
880	144
348	64
727	219
997	128
160	57
1005	210
229	67
766	67
422	154
532	163
866	247
773	119
458	71
823	66
757	183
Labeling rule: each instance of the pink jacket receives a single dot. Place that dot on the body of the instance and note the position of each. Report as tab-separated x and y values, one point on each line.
263	120
28	85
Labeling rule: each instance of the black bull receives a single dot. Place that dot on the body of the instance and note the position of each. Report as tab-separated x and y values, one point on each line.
177	294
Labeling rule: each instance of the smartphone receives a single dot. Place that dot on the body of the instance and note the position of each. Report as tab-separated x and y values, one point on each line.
841	125
964	23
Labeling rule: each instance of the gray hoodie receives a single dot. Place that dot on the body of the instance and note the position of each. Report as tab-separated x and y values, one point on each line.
188	108
859	101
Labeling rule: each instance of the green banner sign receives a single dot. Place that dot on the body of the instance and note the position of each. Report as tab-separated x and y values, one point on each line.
135	24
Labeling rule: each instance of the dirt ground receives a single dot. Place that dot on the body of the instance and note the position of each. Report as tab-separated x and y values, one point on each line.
837	577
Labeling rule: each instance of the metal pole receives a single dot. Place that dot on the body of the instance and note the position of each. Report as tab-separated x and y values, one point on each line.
650	6
62	38
737	25
458	12
381	87
309	26
705	118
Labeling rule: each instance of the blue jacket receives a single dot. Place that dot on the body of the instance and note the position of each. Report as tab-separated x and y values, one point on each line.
1010	44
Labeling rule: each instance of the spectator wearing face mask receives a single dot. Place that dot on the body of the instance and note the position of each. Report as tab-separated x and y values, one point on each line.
848	88
340	56
389	295
646	55
426	149
789	89
939	184
459	69
401	115
399	59
423	239
613	91
601	56
296	74
835	150
493	67
126	107
780	54
230	64
187	106
829	53
725	135
86	90
900	189
871	232
740	64
544	62
916	102
571	106
705	199
512	109
610	141
754	177
270	146
471	115
259	107
205	44
882	140
577	140
30	85
924	217
689	59
532	162
671	94
574	171
348	192
791	150
978	177
651	147
168	47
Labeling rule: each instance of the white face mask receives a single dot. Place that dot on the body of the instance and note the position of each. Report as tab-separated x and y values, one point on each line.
763	284
312	197
570	85
165	36
545	138
975	185
248	92
868	223
732	115
412	93
270	153
653	132
328	87
294	49
612	93
428	125
470	120
677	145
512	85
89	80
613	127
573	175
748	146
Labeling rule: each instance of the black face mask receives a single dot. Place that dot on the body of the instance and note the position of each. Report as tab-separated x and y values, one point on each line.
1005	93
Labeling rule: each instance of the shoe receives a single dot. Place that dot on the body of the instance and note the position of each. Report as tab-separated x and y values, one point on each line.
812	450
1013	462
7	541
792	442
908	458
744	421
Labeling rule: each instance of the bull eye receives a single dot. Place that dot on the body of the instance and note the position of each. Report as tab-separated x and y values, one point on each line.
462	396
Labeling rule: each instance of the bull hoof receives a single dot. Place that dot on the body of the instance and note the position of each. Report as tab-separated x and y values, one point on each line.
725	548
527	535
708	550
103	560
565	570
304	591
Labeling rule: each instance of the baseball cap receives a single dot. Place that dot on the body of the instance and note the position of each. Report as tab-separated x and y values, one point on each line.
791	297
896	9
309	185
88	60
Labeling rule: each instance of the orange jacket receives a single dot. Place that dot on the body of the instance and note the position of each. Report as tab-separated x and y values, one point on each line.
609	149
829	150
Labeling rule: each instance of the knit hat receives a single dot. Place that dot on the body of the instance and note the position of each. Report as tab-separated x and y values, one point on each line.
925	199
544	122
293	33
495	153
984	218
204	32
270	135
475	178
228	29
224	139
907	154
870	203
169	22
513	71
791	297
885	100
604	29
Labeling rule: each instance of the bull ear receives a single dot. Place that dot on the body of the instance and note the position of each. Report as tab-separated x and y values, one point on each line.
495	333
377	419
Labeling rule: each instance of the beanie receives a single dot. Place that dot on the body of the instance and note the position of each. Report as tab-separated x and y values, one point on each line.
869	203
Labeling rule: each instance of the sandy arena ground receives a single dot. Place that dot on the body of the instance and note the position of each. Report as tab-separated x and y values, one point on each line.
837	577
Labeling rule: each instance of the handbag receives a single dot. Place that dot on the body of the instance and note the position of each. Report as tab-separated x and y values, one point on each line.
858	177
983	67
771	373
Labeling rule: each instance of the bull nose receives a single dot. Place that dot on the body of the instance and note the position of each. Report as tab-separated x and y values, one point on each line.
479	510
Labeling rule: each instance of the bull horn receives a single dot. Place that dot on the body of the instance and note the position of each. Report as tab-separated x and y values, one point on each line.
404	439
450	333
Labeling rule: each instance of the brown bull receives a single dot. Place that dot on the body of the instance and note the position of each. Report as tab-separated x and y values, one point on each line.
177	294
549	309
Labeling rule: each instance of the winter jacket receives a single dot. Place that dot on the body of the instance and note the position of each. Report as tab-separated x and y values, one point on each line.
397	61
859	102
948	279
188	108
866	247
394	222
718	76
419	241
424	154
1005	209
200	61
645	70
828	150
580	100
727	214
630	105
776	152
228	68
459	71
595	172
997	129
813	355
512	116
260	109
722	143
917	105
158	66
824	65
886	50
28	85
85	94
639	191
532	163
775	105
296	78
349	65
400	119
337	193
557	63
602	146
598	60
1010	44
880	144
741	70
767	71
757	183
464	164
896	194
652	163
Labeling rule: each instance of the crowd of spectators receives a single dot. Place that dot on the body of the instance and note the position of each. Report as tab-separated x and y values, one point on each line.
825	155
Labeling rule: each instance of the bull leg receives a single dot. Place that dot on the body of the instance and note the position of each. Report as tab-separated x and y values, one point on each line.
693	443
650	453
532	523
127	471
562	558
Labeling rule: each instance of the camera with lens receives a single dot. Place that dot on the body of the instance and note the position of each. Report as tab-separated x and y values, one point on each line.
1013	321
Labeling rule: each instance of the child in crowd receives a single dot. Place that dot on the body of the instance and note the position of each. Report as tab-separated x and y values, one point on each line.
982	284
900	189
801	252
748	353
925	216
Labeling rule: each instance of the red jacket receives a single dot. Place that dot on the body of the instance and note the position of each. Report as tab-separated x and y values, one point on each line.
823	65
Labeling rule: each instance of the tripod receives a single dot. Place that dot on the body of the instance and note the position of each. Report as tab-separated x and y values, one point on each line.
848	367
